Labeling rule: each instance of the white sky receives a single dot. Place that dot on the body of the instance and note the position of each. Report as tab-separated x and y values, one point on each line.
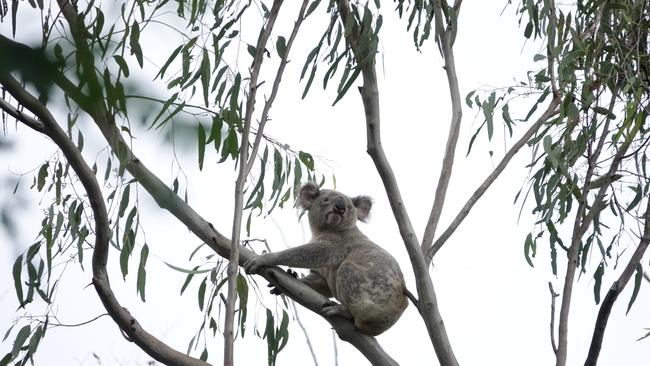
496	308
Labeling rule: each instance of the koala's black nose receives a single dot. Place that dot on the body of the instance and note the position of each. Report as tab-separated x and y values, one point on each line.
339	205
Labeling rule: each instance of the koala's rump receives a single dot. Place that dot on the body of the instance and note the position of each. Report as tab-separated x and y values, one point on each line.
370	285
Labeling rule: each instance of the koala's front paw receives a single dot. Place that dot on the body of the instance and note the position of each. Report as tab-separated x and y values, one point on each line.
252	265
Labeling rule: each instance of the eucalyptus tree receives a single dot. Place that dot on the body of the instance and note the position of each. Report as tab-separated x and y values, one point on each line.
588	146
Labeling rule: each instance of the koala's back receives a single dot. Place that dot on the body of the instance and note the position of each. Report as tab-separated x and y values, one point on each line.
370	284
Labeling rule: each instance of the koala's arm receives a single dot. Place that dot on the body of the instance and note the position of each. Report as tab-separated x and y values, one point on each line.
311	255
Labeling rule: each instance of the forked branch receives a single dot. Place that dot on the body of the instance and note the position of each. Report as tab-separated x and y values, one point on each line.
551	110
445	42
428	304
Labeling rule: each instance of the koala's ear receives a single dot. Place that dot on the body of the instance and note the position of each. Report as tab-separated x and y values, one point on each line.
363	205
308	193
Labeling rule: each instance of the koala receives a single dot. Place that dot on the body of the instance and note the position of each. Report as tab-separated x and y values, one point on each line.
344	263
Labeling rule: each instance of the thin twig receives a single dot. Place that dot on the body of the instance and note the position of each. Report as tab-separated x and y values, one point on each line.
304	331
553	296
233	264
59	324
284	59
551	110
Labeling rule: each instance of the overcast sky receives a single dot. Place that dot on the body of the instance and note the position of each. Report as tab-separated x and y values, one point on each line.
496	308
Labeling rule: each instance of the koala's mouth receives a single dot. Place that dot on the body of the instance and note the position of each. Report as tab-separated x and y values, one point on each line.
334	218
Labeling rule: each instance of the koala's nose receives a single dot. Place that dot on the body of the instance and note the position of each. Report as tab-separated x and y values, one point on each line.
339	205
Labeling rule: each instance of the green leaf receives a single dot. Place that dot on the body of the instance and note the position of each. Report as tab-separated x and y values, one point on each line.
124	202
637	286
124	68
283	331
468	98
171	58
598	279
127	249
142	272
234	96
505	113
306	159
488	112
18	265
36	338
187	280
201	293
343	90
42	174
529	30
201	145
645	336
242	293
529	246
637	197
205	76
281	46
21	337
134	43
251	50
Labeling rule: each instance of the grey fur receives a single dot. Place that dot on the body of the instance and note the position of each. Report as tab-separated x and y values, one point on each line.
344	263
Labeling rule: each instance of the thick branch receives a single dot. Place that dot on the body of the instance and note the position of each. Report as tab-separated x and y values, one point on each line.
428	305
445	42
615	290
127	323
551	110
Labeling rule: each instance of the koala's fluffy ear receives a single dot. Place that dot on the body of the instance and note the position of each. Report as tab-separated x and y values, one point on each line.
363	205
308	193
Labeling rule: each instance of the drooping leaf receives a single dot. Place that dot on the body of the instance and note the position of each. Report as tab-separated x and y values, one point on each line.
637	286
142	272
598	279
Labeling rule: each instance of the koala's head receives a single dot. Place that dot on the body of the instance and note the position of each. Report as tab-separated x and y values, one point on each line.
332	210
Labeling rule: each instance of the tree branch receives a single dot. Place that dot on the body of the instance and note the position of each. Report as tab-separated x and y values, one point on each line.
169	201
284	59
428	305
445	42
551	110
127	323
553	296
233	264
614	291
580	226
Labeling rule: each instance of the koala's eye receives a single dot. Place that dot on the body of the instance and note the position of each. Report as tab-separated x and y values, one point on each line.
326	200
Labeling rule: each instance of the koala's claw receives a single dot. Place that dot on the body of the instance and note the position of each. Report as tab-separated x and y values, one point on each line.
277	291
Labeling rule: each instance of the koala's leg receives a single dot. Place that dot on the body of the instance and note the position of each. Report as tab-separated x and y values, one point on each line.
317	282
332	308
